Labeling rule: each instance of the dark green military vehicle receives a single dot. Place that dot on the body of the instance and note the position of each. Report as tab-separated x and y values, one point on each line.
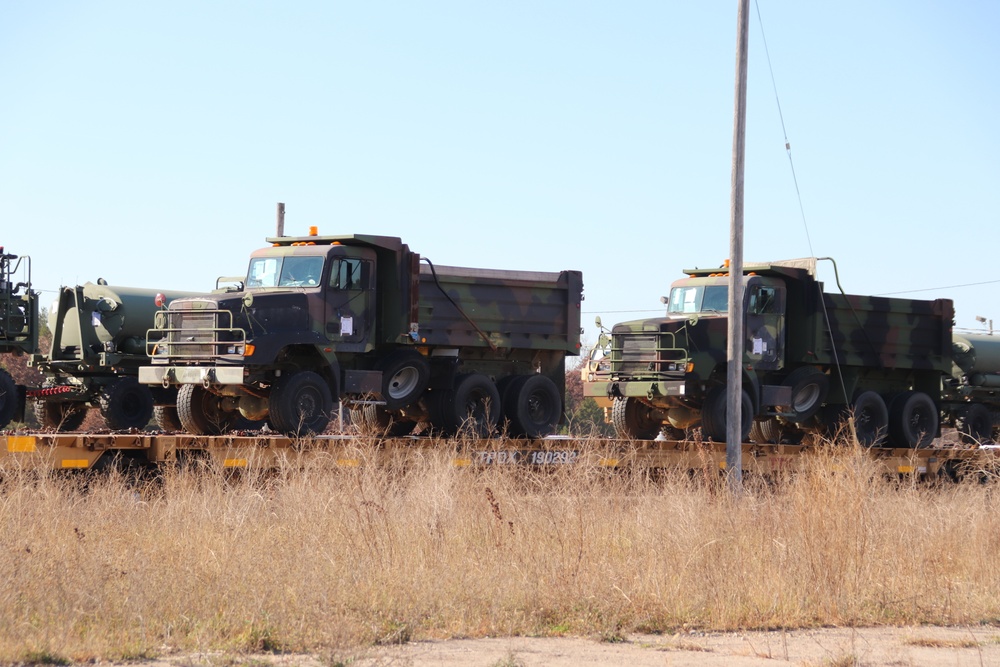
810	357
18	327
98	345
360	319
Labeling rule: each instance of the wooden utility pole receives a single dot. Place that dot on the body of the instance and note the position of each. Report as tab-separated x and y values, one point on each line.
734	371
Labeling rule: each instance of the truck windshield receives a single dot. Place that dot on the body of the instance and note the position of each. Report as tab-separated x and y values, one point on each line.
284	272
698	299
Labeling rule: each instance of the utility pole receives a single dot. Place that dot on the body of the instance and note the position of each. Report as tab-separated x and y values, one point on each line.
734	371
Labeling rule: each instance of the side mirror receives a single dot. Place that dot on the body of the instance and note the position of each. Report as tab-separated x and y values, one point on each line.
597	322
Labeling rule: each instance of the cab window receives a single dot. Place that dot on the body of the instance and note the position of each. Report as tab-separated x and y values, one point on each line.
347	274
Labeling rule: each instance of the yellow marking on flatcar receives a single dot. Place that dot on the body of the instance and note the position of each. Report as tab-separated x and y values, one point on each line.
461	463
348	463
234	463
20	443
904	469
75	463
607	463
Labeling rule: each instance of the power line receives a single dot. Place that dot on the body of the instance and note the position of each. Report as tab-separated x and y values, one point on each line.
934	289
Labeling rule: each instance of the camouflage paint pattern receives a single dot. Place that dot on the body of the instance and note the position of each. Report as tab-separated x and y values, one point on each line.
888	345
374	296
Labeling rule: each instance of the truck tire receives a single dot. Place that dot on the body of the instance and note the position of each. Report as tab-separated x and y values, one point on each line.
871	418
976	425
201	413
765	431
913	420
300	404
632	419
713	414
126	404
60	415
533	406
8	398
167	419
376	421
809	388
472	407
404	378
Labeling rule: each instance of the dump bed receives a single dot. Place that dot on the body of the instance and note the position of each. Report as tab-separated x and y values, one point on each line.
876	332
464	307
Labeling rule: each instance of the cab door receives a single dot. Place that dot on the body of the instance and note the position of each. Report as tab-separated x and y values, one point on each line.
350	302
765	326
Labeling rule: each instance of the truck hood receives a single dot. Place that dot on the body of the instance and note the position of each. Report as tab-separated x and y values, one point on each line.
268	312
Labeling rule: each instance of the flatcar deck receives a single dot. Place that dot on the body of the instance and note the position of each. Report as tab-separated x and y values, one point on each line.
60	451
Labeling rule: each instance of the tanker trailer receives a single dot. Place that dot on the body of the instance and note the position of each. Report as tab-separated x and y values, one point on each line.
18	327
971	396
98	344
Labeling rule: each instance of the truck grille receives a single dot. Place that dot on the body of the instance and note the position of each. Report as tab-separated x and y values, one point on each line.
194	334
646	354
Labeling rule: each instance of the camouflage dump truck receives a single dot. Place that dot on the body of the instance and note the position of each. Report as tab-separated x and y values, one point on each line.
360	319
810	357
98	345
18	328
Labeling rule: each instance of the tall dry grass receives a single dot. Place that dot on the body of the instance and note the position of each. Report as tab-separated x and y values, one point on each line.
330	557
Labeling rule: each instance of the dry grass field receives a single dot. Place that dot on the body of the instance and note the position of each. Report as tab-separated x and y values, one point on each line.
323	559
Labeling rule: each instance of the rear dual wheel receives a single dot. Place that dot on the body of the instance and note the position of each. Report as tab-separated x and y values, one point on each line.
913	420
471	407
532	405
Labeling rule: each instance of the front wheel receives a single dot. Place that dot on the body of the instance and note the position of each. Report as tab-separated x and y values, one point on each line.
633	419
201	412
714	414
300	404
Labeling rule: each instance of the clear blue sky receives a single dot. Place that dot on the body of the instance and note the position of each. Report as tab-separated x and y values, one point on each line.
148	143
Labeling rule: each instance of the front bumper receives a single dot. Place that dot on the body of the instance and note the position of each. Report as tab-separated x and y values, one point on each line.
203	375
648	389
